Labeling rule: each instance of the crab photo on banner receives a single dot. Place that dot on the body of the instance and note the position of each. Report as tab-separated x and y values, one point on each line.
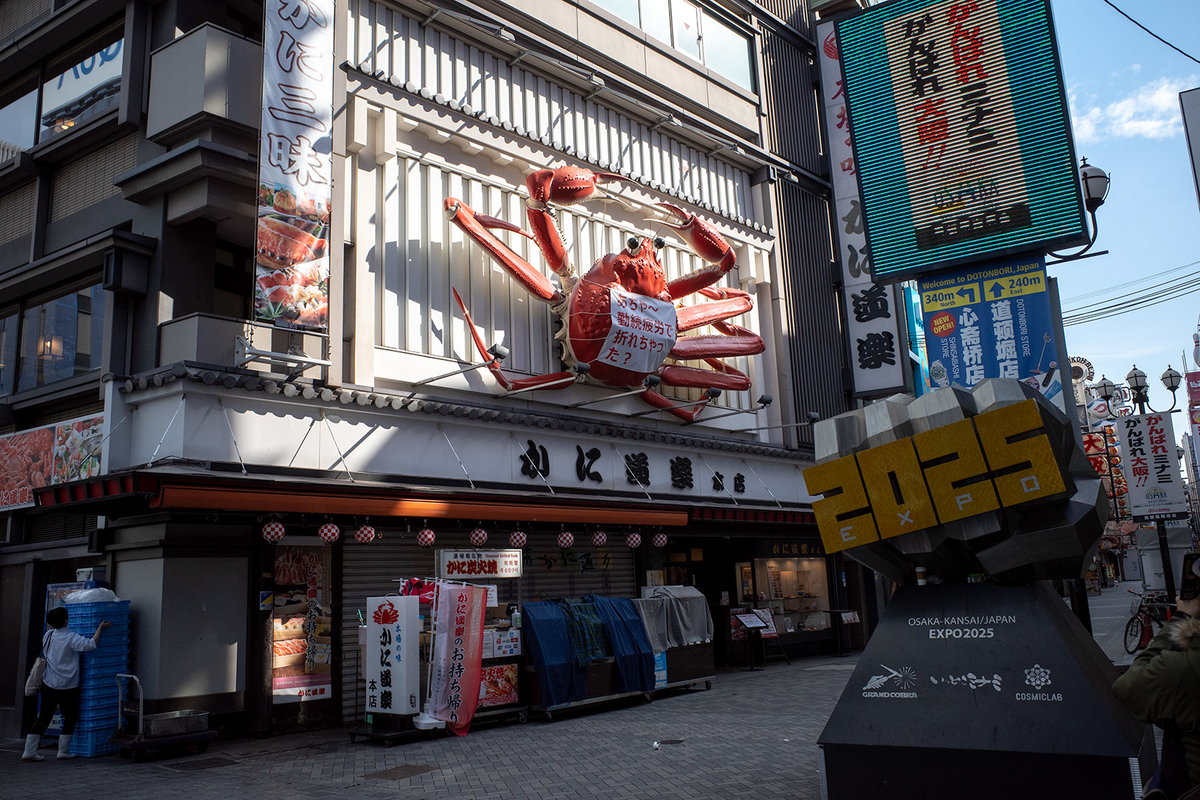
621	319
295	169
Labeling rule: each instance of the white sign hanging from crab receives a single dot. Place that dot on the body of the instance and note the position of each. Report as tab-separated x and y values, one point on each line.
621	319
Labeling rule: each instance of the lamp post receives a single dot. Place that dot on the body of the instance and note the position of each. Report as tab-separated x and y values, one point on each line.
1140	389
1094	183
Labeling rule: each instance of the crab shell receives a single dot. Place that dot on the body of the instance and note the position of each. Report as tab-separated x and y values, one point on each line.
587	312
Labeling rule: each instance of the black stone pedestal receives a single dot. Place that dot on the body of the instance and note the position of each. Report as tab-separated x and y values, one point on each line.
983	691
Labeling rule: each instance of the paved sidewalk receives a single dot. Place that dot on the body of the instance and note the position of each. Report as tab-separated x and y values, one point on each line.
752	735
1110	612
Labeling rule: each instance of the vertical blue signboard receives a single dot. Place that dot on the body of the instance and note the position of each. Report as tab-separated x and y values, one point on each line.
993	322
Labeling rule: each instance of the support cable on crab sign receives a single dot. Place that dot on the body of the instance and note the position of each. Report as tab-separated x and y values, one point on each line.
620	319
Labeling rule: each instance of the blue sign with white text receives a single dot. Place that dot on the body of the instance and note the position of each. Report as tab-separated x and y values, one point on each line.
994	322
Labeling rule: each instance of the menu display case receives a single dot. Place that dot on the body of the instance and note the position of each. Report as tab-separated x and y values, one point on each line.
795	589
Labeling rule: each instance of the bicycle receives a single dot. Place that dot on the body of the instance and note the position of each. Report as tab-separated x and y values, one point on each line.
1139	630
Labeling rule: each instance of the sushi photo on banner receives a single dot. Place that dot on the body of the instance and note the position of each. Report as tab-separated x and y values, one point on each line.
992	322
458	654
295	166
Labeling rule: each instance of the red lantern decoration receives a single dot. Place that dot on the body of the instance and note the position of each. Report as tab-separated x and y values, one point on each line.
634	540
566	539
517	538
426	538
479	537
660	540
364	534
272	531
599	538
329	533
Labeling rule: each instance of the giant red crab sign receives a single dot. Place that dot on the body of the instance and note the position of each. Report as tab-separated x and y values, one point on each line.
620	320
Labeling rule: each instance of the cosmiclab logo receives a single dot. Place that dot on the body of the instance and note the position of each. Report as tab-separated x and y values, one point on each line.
896	684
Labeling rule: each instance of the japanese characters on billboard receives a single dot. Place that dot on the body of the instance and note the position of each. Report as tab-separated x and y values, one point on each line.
878	351
60	453
468	564
458	655
392	666
295	168
302	646
995	322
963	146
1151	467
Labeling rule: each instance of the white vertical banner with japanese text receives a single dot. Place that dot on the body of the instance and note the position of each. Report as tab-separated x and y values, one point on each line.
458	654
295	165
878	349
392	668
1151	467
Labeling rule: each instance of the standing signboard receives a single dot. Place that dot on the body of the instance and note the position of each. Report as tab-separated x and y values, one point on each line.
1151	468
458	655
878	354
393	667
995	322
295	165
963	146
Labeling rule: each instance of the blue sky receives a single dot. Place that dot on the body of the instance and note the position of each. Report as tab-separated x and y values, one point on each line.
1123	86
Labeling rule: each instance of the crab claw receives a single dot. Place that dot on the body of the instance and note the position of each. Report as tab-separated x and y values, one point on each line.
567	185
704	241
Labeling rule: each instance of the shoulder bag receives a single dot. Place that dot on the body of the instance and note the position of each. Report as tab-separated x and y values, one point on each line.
34	683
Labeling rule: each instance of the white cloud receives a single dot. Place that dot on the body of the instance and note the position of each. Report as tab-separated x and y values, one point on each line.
1151	112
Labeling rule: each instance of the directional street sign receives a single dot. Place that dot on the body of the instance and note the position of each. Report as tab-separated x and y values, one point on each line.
993	322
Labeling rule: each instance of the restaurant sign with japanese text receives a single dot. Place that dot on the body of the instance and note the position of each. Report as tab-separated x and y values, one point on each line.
962	145
1151	467
295	169
392	663
877	345
471	564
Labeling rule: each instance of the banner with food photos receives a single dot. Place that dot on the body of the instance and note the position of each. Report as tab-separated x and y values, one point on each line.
295	165
302	625
458	654
59	453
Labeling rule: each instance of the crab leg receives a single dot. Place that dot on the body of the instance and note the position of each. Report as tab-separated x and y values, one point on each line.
706	243
557	380
721	376
477	227
732	303
563	186
735	341
688	414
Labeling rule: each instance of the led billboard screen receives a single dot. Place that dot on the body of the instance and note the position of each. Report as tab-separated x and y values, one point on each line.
962	144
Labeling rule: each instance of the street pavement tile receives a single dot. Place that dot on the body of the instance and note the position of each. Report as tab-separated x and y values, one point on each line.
733	745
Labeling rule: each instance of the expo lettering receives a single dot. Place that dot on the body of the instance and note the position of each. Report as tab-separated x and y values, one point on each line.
953	472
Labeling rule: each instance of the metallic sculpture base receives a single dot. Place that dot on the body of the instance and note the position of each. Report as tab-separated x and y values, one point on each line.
983	691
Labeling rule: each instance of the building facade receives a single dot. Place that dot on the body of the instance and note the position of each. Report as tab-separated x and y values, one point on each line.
157	418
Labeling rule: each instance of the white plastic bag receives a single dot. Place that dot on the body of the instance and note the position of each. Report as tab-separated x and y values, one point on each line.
92	596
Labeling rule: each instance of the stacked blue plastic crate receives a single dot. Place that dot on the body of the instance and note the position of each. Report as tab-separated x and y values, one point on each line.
101	697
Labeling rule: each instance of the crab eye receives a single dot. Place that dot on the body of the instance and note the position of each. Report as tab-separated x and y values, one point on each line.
659	244
632	244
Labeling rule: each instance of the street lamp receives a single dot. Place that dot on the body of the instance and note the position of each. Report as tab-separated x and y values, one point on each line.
1140	389
1094	183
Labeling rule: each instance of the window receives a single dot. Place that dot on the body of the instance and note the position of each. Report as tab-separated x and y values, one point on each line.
82	91
8	352
74	89
18	116
61	338
699	34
